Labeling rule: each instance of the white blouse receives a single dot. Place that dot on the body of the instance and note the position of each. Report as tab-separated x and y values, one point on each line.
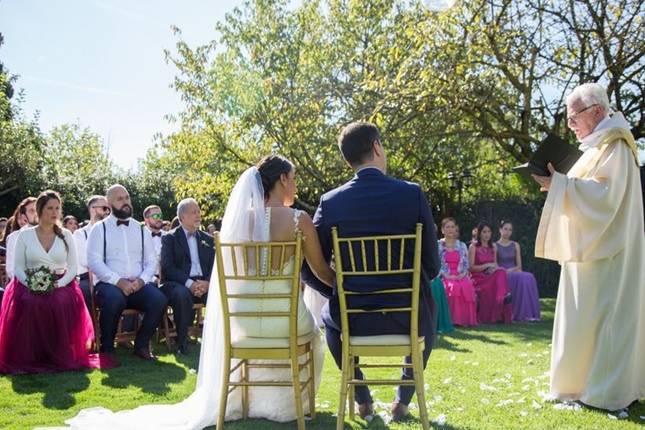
30	254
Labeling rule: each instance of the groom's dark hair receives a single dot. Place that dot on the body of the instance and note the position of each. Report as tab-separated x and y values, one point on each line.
356	140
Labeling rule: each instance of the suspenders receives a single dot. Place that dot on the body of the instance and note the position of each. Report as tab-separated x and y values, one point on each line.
105	245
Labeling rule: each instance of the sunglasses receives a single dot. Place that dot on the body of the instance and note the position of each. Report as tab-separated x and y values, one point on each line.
103	208
156	216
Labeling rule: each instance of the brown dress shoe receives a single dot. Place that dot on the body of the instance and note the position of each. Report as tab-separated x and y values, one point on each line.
400	412
365	409
145	354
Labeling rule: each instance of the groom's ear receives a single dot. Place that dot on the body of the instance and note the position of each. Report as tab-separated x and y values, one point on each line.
377	147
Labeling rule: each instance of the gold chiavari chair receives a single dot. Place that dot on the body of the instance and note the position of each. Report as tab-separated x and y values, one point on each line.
252	263
362	259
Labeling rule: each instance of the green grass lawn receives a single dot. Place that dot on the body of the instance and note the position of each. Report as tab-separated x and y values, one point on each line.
484	378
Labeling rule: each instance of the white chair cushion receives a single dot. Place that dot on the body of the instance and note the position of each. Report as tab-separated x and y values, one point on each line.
384	339
270	342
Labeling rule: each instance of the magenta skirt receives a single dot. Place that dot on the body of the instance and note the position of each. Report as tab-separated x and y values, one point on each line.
46	333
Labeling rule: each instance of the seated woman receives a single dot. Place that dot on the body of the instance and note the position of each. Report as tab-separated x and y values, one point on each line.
453	254
523	287
55	327
490	280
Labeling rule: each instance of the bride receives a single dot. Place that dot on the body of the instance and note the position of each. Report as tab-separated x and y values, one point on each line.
257	210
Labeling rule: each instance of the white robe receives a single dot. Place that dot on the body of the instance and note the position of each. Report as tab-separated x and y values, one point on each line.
592	223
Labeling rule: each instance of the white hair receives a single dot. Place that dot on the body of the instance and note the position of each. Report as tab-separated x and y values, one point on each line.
590	94
183	205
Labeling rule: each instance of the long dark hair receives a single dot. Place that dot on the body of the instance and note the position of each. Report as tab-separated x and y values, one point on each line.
42	200
21	209
271	168
480	227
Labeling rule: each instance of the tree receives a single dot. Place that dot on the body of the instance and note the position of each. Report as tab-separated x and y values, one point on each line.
472	88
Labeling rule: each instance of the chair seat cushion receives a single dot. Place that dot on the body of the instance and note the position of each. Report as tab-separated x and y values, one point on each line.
270	342
384	339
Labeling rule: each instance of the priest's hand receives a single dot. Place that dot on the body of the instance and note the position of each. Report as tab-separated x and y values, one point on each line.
545	181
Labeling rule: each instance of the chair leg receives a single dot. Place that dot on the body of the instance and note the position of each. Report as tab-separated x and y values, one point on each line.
340	421
223	398
166	331
245	390
417	368
312	385
295	377
351	388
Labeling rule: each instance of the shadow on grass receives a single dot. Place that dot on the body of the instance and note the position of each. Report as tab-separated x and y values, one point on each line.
635	411
58	389
327	420
150	377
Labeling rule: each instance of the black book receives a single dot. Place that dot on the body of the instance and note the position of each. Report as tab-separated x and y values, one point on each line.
552	150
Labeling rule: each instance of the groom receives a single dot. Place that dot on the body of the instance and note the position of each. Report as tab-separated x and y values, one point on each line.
371	204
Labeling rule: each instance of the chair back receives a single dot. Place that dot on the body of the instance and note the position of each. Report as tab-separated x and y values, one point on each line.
251	262
3	274
375	256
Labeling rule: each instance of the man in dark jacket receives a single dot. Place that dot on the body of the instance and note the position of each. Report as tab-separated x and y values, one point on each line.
187	257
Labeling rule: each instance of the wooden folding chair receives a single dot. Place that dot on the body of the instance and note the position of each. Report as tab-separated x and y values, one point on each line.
169	330
244	259
359	256
122	336
3	273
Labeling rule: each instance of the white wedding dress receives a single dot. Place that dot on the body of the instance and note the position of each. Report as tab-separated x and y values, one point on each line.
245	219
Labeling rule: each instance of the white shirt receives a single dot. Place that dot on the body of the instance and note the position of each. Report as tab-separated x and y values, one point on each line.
11	249
123	252
156	242
30	254
80	238
195	265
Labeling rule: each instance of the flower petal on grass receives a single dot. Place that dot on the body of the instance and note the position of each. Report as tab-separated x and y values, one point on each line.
440	420
568	406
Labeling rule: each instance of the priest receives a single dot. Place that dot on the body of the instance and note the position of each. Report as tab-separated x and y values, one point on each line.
592	223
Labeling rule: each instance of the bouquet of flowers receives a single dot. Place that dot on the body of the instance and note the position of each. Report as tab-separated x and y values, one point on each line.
40	280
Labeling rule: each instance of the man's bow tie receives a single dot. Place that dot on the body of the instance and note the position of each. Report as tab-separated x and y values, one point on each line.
120	222
157	234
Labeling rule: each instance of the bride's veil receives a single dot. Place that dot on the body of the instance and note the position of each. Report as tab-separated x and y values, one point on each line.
244	220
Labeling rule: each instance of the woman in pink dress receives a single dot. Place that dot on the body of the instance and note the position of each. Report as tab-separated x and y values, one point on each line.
490	280
46	332
460	291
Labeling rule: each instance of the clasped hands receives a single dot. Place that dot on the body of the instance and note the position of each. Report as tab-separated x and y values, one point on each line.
545	181
199	288
490	268
130	286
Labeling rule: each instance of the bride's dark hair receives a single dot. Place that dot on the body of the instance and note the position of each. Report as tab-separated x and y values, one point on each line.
271	168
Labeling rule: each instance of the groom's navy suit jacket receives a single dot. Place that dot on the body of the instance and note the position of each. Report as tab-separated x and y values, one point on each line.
368	205
175	255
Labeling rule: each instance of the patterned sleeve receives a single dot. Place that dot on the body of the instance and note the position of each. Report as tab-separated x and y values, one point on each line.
444	270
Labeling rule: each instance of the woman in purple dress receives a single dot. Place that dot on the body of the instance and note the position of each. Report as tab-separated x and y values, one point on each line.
526	301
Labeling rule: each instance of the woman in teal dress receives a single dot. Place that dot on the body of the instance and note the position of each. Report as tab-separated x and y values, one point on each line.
443	323
442	316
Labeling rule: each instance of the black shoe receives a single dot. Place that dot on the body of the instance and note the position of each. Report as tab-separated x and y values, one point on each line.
145	354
